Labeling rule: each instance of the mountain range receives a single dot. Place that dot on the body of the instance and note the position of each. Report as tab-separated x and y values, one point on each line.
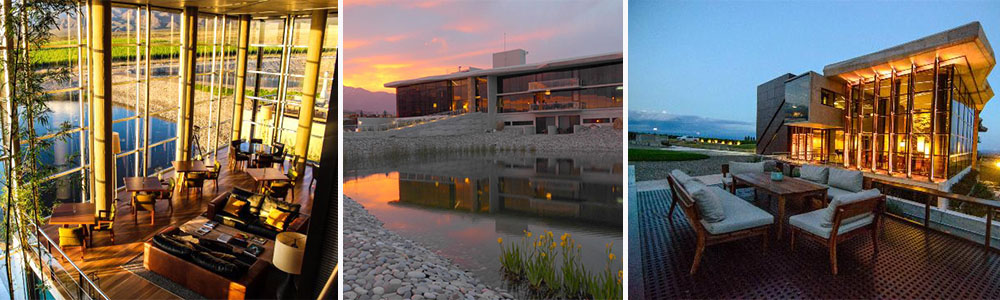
667	123
360	99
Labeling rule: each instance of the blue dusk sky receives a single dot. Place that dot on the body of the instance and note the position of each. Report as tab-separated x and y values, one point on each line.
694	66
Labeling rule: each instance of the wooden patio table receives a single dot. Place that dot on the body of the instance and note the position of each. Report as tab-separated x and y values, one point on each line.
788	187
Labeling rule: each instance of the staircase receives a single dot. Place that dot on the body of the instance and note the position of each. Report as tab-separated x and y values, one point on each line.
450	125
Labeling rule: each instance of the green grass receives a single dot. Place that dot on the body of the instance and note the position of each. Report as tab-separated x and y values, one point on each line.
66	56
662	155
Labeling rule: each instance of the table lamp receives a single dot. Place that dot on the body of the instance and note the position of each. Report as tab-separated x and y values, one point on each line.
288	250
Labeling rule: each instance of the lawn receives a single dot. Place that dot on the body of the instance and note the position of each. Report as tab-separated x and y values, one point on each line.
662	155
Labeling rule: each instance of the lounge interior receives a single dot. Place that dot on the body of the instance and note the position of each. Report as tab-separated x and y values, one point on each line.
168	183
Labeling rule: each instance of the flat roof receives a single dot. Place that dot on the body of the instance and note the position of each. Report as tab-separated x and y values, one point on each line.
968	41
512	70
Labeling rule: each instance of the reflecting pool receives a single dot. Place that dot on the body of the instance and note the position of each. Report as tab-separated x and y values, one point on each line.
458	207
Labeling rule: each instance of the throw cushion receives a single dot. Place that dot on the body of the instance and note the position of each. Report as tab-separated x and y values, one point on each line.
770	166
234	206
831	209
815	173
846	179
277	217
681	176
71	236
709	205
255	201
745	167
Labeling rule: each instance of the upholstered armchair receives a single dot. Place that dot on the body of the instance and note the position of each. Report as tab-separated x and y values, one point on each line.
73	237
846	216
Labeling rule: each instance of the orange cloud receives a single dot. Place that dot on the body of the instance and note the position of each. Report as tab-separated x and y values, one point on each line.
469	26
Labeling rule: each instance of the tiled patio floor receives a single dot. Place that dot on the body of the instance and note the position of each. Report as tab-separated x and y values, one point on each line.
911	263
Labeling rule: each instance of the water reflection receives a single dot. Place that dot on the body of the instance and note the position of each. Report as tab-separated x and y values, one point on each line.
458	207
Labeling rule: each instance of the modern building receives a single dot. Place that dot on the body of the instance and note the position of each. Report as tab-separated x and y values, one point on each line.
911	111
547	97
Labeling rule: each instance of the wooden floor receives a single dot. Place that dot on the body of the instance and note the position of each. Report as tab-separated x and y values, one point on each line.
106	259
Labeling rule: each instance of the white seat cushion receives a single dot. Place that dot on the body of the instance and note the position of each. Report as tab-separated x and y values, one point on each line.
745	167
846	179
832	192
814	173
811	222
740	214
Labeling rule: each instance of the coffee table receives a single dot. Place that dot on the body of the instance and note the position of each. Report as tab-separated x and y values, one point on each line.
192	226
788	187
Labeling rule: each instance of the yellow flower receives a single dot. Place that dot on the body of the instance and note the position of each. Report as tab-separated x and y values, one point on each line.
543	254
562	244
553	245
527	233
619	273
550	233
499	240
611	256
564	236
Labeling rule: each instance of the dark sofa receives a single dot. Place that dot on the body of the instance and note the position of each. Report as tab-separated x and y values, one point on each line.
249	218
211	268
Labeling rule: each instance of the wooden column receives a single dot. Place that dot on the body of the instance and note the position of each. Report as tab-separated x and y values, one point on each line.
102	158
241	75
313	55
185	117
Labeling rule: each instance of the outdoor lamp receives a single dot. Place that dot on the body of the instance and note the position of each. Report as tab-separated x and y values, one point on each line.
288	250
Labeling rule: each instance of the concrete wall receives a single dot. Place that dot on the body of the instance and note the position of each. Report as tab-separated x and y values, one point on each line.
822	114
773	138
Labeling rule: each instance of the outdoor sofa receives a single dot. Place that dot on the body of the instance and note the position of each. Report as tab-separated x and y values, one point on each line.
716	215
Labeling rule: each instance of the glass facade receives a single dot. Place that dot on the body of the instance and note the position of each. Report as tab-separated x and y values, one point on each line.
435	97
579	88
915	123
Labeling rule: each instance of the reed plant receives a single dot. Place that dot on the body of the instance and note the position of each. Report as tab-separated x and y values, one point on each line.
554	268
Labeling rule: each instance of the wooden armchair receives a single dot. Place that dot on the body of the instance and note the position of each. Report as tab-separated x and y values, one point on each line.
213	174
749	228
105	222
849	220
727	181
145	202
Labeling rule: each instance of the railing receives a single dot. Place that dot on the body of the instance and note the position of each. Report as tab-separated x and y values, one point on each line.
931	198
72	283
554	106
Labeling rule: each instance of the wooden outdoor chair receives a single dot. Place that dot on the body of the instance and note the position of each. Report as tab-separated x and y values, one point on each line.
843	228
734	232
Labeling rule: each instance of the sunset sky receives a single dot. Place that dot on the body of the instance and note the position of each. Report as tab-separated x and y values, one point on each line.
404	40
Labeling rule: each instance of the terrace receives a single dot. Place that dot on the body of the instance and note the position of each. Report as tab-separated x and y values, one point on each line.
925	250
232	90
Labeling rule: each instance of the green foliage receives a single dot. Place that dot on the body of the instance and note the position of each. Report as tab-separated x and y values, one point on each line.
553	269
47	56
662	155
